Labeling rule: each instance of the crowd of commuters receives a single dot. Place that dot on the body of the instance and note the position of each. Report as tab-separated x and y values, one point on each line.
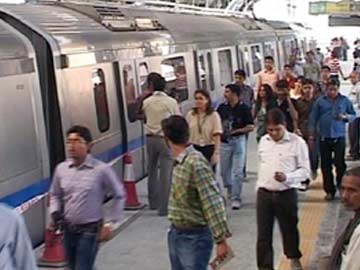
299	116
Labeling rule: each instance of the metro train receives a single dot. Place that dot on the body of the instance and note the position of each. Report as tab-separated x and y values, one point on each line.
66	63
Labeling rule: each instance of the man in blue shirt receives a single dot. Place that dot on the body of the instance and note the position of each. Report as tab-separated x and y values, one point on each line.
16	252
331	112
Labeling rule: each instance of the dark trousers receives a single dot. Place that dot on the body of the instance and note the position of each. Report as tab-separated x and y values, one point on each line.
332	151
81	248
354	136
207	151
314	153
281	205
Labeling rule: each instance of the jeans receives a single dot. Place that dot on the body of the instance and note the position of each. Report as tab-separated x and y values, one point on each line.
190	249
232	165
80	249
328	149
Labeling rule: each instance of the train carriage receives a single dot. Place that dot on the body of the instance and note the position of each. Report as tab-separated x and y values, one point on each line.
87	64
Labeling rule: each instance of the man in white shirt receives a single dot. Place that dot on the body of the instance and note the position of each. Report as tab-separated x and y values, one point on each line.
346	251
354	126
283	164
156	108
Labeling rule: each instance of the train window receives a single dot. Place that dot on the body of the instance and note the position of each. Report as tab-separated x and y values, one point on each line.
256	58
269	49
245	57
143	73
174	72
211	72
202	72
101	103
225	67
287	50
130	91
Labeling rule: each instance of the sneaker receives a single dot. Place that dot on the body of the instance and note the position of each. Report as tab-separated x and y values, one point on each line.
295	264
329	197
235	205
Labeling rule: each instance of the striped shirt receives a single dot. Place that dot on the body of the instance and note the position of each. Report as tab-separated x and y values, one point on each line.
195	198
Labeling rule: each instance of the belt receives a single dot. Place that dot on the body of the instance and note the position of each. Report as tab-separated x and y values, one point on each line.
193	228
276	191
155	135
86	227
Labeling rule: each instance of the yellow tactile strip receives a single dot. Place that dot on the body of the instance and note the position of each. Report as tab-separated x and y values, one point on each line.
310	217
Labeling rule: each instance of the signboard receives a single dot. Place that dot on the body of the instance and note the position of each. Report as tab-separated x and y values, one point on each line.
344	20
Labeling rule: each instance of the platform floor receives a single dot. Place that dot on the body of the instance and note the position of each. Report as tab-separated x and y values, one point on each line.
141	242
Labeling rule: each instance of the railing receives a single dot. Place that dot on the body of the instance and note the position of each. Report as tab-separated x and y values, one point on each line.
167	5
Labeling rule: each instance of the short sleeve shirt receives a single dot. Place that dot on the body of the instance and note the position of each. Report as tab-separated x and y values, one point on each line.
232	118
203	129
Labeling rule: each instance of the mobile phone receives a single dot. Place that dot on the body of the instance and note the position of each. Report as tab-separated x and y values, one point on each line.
217	263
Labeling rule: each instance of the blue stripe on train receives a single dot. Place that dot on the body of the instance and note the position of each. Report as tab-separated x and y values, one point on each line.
42	186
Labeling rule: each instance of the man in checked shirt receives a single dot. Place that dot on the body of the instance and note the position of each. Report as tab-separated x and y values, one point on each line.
196	208
77	192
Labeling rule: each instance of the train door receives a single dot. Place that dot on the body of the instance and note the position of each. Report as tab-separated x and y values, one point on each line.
206	76
135	133
142	71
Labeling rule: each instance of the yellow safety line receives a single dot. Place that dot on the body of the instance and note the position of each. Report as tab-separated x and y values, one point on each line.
310	218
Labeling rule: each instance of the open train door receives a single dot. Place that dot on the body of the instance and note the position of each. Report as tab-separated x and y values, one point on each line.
135	132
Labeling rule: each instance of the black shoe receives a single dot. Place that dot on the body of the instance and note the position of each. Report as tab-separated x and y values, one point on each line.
329	197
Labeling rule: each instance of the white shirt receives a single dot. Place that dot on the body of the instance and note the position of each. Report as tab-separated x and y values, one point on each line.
289	155
156	108
350	258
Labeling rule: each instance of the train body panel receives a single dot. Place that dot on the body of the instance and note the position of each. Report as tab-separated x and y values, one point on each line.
85	72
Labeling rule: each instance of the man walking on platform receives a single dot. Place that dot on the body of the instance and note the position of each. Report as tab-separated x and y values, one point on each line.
77	192
331	112
346	251
268	75
237	121
156	108
196	207
283	164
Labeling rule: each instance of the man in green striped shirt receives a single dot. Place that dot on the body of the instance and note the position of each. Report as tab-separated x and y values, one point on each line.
196	208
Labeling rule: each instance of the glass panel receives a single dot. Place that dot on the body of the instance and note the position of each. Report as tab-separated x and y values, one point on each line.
225	67
101	103
202	72
269	50
256	58
143	73
130	91
246	60
174	72
211	71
